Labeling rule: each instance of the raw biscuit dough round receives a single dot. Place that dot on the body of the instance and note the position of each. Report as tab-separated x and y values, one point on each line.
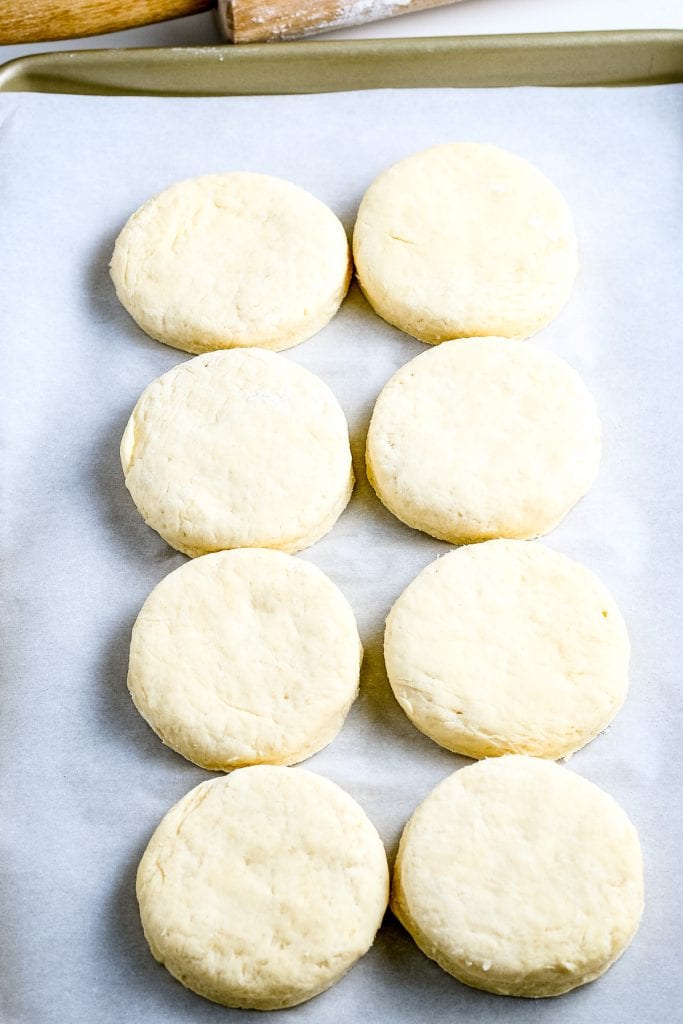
232	260
465	240
245	657
519	877
507	647
262	888
483	438
238	449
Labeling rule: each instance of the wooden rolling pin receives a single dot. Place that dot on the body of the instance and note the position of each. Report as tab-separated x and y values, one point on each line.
242	21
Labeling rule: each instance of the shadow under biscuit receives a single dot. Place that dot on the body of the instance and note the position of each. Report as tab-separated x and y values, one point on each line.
150	989
129	534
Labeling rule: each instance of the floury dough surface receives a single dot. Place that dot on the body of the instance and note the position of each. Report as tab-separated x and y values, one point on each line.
238	449
245	657
507	647
465	240
519	877
229	260
262	888
483	438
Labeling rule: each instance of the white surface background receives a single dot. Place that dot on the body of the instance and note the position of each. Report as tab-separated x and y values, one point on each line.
471	17
84	780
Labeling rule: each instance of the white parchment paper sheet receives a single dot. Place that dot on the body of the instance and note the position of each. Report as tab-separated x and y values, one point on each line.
83	780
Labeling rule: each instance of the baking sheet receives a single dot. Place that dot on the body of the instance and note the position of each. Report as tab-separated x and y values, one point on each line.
84	780
323	65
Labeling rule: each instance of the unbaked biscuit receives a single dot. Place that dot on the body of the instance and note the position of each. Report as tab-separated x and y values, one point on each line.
232	260
262	888
507	647
245	657
465	240
238	449
483	438
519	877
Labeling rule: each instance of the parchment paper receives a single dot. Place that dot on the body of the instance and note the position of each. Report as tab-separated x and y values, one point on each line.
83	780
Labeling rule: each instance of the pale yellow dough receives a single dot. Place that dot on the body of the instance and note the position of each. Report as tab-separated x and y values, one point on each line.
238	449
465	240
507	647
262	888
483	438
245	657
232	260
519	877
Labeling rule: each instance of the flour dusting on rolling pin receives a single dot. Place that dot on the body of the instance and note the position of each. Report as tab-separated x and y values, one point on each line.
242	21
253	21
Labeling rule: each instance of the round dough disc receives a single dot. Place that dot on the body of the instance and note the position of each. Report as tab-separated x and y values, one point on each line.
483	438
519	877
232	260
465	240
245	657
238	449
262	888
507	647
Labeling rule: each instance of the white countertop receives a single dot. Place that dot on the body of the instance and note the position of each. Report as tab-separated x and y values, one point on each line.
471	17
